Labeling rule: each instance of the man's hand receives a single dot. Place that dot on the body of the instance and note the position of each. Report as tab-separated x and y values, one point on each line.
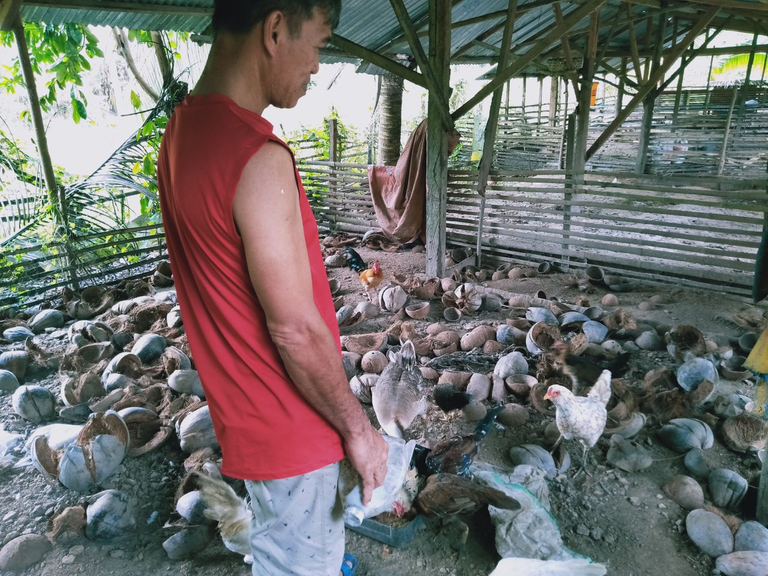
368	454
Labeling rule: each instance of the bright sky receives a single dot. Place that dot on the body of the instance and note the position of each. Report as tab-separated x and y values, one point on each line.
82	148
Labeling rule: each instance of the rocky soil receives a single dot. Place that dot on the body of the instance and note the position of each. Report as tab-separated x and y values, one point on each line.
623	520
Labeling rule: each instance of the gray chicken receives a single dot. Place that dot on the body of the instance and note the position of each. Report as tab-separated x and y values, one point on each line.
398	396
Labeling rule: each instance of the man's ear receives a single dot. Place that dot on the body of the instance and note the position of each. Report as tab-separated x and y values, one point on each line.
275	26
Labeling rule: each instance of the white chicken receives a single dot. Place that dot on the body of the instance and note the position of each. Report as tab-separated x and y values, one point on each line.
534	567
398	396
582	418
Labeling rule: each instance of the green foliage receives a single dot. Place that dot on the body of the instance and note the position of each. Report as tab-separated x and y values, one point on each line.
64	51
314	143
738	65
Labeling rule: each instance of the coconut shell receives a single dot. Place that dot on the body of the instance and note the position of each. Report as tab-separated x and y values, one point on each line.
620	319
745	432
479	387
474	411
727	488
146	429
374	362
685	492
683	434
457	379
362	343
15	361
513	415
628	455
109	517
686	339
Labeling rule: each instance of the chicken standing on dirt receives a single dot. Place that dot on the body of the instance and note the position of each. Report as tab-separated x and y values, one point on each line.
398	396
370	278
582	418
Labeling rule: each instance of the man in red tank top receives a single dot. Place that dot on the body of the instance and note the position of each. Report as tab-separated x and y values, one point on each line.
253	291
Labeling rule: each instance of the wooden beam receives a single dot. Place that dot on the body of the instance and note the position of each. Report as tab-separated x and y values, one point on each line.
714	51
570	71
132	7
421	59
727	133
650	85
649	103
689	57
503	75
725	5
621	75
437	137
584	102
487	34
633	47
378	60
9	13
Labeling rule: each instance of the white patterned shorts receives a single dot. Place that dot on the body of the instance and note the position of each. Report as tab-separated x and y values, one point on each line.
297	527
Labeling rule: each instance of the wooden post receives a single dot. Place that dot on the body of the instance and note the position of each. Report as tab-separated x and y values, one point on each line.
554	94
437	137
569	175
708	97
584	104
565	145
649	104
491	126
745	86
762	494
678	95
9	13
721	164
333	137
525	87
645	133
620	95
541	98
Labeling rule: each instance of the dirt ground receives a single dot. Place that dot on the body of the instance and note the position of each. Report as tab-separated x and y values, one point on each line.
623	520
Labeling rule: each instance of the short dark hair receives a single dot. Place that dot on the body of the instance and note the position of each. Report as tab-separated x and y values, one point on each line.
240	16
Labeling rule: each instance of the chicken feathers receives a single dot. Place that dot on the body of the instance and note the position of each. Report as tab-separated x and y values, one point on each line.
232	513
447	495
582	418
455	455
448	398
398	396
354	260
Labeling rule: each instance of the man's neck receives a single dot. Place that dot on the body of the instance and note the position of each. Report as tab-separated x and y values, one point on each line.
230	73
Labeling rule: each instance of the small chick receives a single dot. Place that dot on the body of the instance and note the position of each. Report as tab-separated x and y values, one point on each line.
398	397
448	398
582	418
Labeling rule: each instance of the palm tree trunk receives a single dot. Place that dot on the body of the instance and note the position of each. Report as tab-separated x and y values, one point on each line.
390	119
123	47
166	70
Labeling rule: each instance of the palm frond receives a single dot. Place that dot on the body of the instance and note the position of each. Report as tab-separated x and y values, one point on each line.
738	64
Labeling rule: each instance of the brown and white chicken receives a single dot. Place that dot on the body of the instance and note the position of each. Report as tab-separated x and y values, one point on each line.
398	396
582	418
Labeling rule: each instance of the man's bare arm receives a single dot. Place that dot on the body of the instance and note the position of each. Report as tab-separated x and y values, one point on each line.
268	216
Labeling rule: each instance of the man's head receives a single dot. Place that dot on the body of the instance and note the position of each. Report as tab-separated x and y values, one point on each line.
240	16
287	36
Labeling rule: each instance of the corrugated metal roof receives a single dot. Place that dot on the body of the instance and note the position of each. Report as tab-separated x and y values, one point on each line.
372	23
186	15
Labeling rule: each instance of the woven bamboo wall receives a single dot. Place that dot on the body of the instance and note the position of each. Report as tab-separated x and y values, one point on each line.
701	232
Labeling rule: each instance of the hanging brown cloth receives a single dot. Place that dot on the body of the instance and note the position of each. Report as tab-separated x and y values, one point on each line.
399	192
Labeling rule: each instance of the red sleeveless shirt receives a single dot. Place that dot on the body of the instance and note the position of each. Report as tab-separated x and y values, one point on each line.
265	427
